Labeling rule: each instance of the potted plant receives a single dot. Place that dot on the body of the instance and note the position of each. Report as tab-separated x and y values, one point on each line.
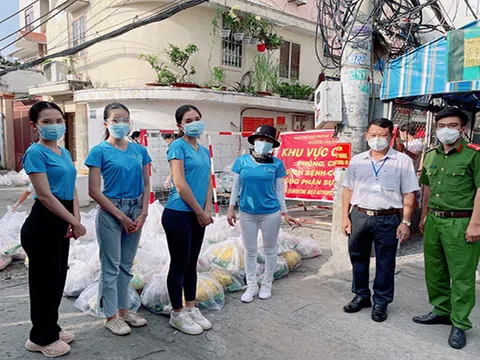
180	58
164	76
231	23
273	41
265	77
218	78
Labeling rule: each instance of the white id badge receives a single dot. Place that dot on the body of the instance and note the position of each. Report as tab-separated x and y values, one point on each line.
376	188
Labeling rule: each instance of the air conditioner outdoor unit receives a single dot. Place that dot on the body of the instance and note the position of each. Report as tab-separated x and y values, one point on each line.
328	105
55	71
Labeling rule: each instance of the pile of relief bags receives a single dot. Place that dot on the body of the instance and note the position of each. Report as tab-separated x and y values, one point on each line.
220	266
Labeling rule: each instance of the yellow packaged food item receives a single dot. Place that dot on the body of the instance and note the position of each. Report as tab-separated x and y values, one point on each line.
222	276
293	259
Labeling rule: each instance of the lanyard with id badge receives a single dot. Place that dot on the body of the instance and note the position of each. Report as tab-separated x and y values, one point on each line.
376	187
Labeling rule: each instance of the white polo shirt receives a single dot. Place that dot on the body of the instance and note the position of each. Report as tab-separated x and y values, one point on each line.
396	177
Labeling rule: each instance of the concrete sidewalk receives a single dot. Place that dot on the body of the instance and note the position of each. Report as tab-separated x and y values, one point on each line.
303	320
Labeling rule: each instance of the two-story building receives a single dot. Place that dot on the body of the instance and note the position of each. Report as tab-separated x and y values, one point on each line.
112	70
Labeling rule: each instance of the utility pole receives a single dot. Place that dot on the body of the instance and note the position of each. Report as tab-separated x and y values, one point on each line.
356	89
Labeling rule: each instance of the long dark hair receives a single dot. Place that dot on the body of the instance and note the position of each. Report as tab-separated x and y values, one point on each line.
36	109
181	112
107	112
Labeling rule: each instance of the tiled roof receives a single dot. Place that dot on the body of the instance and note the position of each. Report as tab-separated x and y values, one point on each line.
34	36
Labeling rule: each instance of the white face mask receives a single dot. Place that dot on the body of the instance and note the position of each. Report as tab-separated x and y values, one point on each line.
378	144
448	136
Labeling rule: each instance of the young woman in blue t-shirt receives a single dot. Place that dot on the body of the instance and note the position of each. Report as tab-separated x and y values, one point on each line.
258	178
123	210
187	213
45	235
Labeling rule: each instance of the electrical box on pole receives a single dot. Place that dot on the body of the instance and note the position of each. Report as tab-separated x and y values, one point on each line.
328	105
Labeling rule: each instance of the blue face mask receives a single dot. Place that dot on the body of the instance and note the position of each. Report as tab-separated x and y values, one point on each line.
119	131
52	132
263	147
194	129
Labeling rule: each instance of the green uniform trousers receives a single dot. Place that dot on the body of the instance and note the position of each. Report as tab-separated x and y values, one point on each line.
450	268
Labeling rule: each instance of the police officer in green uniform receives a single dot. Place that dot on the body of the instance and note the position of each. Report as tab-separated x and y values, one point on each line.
451	226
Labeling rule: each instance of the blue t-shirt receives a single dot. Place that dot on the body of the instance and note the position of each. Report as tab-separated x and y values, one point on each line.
122	171
196	164
61	172
257	195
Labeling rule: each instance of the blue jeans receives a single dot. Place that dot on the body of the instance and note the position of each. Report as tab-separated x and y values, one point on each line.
117	253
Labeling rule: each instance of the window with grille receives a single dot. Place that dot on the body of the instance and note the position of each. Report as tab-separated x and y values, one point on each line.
29	19
79	29
232	52
290	60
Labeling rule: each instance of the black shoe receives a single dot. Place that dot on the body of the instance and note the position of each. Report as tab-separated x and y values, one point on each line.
457	338
432	319
379	313
358	303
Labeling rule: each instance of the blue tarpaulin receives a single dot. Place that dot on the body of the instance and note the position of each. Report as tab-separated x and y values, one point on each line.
423	71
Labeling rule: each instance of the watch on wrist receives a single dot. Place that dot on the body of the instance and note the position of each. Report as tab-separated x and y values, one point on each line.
408	223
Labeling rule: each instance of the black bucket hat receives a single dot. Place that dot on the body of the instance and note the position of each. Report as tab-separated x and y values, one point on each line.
266	131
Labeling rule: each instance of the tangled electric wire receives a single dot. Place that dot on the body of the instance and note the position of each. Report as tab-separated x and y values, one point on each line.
400	22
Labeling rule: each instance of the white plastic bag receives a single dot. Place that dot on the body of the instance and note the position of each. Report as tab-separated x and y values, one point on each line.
228	255
307	248
203	264
210	294
230	282
79	277
220	231
155	294
5	260
87	302
153	224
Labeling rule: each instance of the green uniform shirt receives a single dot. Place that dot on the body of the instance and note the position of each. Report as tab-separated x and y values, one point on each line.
453	177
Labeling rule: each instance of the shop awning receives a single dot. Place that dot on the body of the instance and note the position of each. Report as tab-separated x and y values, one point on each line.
423	71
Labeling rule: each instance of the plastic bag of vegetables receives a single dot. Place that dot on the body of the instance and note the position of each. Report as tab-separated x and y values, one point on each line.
5	260
282	268
210	294
307	248
280	271
220	231
230	282
155	294
79	277
293	259
228	255
203	264
136	282
87	302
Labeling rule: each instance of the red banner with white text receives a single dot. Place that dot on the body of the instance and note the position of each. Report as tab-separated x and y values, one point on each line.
310	158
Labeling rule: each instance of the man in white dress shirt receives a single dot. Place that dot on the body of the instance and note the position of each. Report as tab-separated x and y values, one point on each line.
378	201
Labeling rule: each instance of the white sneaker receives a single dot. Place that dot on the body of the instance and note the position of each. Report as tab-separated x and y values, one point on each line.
118	326
197	316
184	322
265	291
249	294
56	349
134	320
66	337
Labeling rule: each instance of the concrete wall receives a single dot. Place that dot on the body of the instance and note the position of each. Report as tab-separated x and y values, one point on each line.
115	63
159	115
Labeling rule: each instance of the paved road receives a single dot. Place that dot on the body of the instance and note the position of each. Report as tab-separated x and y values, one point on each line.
303	320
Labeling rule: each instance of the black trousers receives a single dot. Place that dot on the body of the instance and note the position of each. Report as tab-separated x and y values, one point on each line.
43	239
185	238
382	232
